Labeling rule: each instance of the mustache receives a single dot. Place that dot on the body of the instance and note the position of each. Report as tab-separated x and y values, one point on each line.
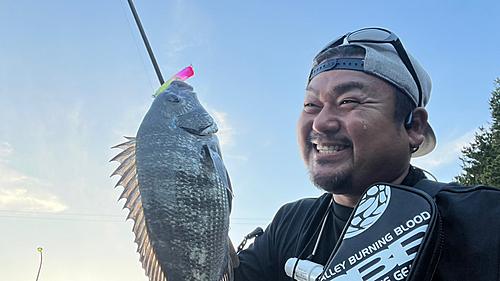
317	137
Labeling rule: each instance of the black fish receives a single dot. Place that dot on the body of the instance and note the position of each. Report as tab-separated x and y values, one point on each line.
178	190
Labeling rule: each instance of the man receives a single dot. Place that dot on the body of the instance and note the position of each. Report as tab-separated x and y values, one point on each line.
363	119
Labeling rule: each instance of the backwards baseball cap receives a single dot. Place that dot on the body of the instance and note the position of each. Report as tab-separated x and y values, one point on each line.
385	58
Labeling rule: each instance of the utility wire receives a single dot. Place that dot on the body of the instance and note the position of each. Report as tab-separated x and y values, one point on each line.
119	221
61	214
101	215
234	221
59	219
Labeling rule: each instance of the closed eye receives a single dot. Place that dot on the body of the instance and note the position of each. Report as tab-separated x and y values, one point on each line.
311	108
348	101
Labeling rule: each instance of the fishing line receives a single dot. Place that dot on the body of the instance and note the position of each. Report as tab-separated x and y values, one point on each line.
146	42
137	46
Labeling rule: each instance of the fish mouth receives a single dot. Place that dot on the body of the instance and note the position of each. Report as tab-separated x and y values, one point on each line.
208	130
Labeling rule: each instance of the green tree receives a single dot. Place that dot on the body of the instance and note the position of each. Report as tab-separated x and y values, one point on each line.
481	159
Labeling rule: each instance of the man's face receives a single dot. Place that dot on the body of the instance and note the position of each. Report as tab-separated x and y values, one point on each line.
347	135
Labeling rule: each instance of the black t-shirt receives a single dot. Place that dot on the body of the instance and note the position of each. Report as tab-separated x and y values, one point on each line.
294	232
471	231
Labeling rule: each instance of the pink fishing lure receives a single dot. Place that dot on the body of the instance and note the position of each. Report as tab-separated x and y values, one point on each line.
183	75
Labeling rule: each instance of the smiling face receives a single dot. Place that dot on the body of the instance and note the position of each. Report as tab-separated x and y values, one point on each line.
347	134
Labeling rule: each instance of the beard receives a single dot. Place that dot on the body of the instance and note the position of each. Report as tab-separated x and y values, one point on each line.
337	183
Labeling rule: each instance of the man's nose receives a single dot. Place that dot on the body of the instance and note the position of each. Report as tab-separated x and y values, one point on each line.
326	121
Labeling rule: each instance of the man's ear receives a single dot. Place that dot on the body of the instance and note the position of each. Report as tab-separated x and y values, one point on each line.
418	126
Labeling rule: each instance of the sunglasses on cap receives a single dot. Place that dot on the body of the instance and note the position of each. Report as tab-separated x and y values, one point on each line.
373	35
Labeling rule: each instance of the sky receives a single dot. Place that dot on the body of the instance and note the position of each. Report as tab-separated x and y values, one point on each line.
75	78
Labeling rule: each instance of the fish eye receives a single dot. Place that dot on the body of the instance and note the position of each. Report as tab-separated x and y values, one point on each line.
173	98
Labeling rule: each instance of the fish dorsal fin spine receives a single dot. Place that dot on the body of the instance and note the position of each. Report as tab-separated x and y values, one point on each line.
129	181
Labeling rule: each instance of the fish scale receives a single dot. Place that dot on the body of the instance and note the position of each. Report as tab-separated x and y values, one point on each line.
178	190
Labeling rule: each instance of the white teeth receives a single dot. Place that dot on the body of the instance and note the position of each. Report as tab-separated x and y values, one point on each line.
329	149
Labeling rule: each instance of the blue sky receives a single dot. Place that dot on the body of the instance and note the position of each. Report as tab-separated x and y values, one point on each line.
72	84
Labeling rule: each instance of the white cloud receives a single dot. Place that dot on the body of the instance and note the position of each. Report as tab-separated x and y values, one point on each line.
5	150
130	120
445	153
22	199
177	44
226	131
24	193
190	30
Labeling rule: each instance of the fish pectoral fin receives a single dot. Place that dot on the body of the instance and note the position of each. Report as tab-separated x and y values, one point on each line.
222	173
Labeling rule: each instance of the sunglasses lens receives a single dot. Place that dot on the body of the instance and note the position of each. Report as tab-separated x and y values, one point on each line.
371	34
338	41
